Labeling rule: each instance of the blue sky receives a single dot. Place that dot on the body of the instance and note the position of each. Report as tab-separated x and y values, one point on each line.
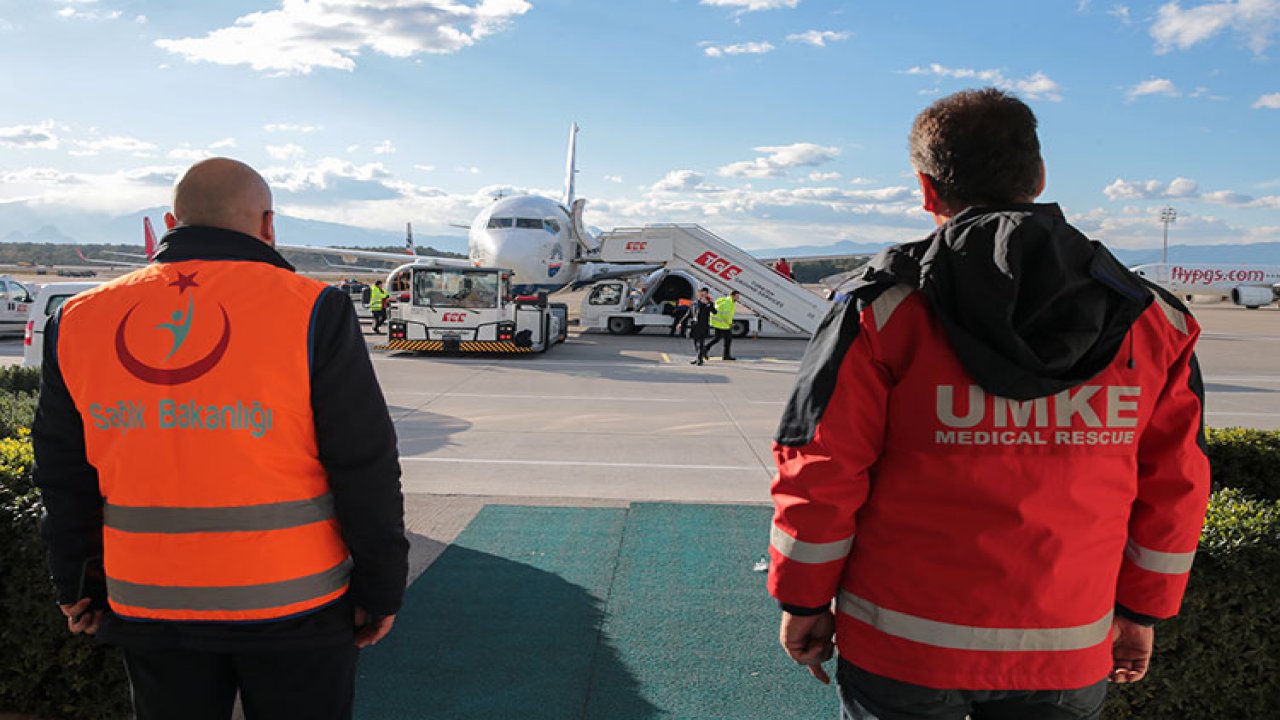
772	122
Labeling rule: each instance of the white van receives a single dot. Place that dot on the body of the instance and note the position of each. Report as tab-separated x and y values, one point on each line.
47	301
15	302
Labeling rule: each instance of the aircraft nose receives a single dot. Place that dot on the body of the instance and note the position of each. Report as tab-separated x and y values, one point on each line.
510	249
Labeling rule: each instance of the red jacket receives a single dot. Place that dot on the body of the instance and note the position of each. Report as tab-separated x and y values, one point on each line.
972	541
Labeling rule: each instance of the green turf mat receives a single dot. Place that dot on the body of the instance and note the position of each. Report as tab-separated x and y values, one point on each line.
694	627
505	624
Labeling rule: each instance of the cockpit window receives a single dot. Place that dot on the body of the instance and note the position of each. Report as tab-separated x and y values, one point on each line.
501	222
528	224
553	227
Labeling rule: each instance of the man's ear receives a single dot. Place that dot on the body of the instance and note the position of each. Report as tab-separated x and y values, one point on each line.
170	222
932	204
268	230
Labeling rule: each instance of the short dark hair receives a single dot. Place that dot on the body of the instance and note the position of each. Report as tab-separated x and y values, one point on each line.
705	289
979	147
734	292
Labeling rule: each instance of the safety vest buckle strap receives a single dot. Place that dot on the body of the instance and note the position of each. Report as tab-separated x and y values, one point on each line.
966	637
244	518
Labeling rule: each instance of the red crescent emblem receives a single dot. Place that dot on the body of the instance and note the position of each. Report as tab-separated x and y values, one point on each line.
174	376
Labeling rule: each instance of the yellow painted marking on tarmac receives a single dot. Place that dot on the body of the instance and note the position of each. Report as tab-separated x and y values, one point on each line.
666	358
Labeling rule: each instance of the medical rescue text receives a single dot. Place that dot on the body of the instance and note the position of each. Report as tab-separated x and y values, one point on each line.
1085	415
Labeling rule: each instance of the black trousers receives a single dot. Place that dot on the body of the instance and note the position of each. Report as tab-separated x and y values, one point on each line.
379	317
721	334
867	696
313	684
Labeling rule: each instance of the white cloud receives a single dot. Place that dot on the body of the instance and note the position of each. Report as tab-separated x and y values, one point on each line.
684	181
1154	86
290	127
26	137
288	151
613	178
1270	102
1034	86
1178	188
824	176
746	6
424	168
473	170
1255	21
1121	12
69	12
384	148
818	38
223	143
780	158
114	143
306	34
186	152
747	48
117	192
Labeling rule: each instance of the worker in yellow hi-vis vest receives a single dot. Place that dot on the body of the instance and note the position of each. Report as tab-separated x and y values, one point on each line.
378	305
722	323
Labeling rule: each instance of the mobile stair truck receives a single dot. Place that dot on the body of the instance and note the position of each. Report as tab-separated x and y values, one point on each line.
468	310
692	257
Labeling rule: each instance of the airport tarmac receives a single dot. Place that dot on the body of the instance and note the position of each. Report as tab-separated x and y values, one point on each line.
628	418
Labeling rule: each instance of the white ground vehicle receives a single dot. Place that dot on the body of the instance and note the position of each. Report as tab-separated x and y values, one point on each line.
692	257
461	310
624	306
15	302
46	302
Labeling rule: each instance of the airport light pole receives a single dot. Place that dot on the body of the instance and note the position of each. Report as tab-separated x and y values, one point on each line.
1168	216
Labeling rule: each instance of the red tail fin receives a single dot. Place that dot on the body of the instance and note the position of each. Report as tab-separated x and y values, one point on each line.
81	255
149	238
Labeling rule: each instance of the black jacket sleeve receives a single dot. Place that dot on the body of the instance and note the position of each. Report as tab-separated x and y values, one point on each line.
357	443
72	522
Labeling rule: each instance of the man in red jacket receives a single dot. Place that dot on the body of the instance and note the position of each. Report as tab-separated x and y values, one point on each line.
991	472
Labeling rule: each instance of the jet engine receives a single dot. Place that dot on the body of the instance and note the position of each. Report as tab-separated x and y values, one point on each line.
1252	296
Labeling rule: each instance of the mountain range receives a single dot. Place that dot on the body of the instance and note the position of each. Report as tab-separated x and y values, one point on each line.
24	223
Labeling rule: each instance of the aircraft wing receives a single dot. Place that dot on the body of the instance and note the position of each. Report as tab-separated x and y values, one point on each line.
112	263
591	272
394	258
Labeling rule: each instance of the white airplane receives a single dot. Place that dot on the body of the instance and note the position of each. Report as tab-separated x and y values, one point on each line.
542	240
1251	286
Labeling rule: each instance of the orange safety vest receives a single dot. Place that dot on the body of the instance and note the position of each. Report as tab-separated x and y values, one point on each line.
196	404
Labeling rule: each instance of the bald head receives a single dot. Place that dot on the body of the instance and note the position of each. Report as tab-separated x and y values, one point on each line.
223	193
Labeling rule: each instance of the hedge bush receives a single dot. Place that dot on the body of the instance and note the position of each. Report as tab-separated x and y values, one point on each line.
44	670
1246	458
1220	658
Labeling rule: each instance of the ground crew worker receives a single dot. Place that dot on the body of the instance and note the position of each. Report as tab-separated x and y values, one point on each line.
699	322
992	462
378	305
235	471
722	323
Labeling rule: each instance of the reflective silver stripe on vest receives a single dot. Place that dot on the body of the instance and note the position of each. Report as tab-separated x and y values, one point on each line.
805	552
965	637
888	301
248	518
1174	315
1159	562
239	597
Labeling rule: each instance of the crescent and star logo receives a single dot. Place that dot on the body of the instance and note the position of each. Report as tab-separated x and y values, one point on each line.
179	329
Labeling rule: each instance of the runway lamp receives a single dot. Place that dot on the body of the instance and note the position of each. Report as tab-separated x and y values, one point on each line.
1168	216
